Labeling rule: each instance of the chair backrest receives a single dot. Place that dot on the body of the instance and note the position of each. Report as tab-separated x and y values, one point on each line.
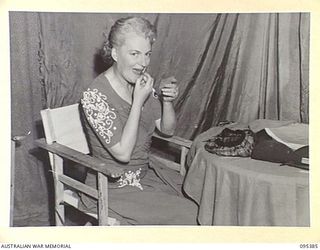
63	125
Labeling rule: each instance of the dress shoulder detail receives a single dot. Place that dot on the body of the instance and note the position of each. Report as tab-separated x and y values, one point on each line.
99	113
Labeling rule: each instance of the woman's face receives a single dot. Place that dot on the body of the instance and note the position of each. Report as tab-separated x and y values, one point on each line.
132	57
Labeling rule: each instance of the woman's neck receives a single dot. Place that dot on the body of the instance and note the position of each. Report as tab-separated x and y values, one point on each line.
120	80
120	85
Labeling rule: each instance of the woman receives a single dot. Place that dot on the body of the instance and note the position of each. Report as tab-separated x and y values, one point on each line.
121	112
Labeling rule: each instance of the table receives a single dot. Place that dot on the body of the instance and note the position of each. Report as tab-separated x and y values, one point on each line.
240	191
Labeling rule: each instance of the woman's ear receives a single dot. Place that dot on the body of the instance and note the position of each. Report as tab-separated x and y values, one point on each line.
114	54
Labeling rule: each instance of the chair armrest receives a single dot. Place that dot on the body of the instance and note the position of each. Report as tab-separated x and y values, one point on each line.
184	146
175	139
78	157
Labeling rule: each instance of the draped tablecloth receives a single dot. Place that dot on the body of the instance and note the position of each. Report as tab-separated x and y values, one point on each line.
240	191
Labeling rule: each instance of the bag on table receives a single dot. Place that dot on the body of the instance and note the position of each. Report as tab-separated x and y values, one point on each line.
231	143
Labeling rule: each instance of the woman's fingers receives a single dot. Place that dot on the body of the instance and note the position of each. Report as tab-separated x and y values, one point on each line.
171	90
118	174
148	79
144	80
166	81
143	88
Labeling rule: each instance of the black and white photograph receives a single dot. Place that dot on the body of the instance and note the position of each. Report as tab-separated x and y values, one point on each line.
176	119
145	124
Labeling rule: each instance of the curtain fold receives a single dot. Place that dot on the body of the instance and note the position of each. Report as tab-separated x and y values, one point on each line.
235	67
30	184
243	66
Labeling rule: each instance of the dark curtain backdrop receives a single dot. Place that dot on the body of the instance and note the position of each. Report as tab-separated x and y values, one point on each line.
235	67
30	185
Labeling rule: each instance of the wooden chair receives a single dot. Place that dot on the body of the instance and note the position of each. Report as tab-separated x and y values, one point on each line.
65	139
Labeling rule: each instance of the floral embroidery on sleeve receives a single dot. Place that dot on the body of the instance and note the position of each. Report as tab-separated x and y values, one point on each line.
100	115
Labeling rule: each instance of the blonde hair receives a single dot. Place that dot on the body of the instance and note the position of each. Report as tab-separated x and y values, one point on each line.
122	26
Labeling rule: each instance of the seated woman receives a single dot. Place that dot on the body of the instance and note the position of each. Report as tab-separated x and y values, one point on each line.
121	112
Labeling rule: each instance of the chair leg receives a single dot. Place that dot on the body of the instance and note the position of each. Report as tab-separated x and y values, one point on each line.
103	207
59	215
59	191
103	199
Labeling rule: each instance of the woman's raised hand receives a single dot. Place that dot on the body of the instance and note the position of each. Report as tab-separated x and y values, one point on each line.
143	88
169	89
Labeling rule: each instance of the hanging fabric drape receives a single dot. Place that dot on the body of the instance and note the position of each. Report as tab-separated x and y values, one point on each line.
235	67
30	185
243	66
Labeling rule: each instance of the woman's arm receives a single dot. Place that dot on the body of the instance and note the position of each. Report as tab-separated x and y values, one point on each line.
169	92
123	149
167	123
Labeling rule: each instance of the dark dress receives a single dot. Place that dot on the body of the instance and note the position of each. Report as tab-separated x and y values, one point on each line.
147	193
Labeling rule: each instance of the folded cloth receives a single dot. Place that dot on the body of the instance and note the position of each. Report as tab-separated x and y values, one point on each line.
299	158
267	148
295	135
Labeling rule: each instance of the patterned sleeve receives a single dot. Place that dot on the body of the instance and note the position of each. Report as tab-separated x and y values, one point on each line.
102	117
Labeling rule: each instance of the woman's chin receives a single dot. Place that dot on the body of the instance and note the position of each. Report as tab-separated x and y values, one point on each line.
132	80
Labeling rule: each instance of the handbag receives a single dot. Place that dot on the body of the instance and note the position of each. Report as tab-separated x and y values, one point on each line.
231	143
